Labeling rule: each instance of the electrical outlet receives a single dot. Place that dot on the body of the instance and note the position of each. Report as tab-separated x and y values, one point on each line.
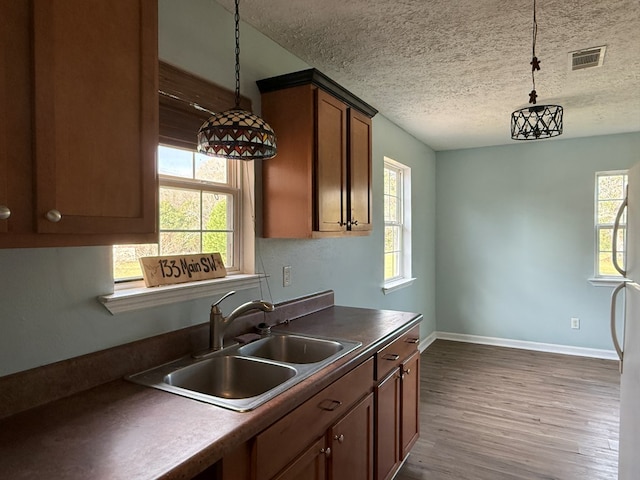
575	322
286	276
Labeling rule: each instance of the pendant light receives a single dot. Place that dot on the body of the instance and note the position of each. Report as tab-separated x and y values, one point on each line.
537	121
237	134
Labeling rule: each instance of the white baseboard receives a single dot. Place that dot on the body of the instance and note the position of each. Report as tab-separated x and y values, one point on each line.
525	345
428	340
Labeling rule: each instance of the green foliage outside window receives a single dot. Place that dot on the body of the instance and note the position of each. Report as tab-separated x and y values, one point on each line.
610	192
194	216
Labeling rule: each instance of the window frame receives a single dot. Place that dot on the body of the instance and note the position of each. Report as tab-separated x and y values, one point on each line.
403	196
599	278
232	188
186	101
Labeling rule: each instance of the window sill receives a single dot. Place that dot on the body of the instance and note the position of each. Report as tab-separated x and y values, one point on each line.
606	282
397	285
139	297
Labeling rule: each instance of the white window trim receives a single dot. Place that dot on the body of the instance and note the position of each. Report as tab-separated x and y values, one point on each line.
131	296
602	280
406	279
232	188
397	284
140	297
610	282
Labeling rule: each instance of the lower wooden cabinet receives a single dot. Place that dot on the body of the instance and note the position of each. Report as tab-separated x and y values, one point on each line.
338	410
388	426
351	443
410	404
345	452
311	465
397	400
361	427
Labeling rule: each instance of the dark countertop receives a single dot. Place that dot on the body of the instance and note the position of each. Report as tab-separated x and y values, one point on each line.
120	430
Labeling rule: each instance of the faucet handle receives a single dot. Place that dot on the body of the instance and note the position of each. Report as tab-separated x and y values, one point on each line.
228	294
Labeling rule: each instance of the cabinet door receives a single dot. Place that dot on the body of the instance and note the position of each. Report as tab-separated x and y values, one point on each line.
388	422
96	115
15	126
359	171
351	441
282	441
310	465
410	406
287	179
235	465
331	154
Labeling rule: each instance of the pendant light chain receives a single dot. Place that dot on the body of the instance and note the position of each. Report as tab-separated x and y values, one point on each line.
536	121
535	64
237	19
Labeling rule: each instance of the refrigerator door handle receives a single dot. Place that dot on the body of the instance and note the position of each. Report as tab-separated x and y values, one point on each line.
614	239
614	333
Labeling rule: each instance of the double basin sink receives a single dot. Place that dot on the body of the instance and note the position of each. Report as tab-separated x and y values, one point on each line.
243	377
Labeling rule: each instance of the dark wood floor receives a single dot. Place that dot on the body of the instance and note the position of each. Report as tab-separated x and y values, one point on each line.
492	413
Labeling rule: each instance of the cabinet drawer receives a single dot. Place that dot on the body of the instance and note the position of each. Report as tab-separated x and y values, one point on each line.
285	439
396	352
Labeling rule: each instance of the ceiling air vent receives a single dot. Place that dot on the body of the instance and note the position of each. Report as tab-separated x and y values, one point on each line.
590	57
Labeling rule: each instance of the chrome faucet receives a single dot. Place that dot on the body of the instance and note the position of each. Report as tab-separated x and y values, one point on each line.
218	323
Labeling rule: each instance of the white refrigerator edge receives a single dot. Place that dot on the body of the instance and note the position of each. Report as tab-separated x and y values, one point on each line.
629	447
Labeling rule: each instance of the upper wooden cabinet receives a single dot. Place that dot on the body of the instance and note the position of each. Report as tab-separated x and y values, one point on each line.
15	105
359	173
79	139
319	184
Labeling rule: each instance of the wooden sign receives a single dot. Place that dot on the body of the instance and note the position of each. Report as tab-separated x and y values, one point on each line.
167	270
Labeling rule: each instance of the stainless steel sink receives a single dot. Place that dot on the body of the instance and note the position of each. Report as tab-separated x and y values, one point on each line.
242	378
230	377
292	349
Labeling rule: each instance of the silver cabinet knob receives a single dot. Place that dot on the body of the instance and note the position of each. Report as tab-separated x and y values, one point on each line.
4	212
339	438
326	451
53	216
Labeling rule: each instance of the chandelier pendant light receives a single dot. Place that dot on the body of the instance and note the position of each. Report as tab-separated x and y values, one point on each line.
237	134
537	121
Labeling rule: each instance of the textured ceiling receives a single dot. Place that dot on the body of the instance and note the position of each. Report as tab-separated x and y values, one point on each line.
450	72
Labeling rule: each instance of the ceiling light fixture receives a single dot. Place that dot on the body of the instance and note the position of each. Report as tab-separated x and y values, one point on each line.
538	121
237	134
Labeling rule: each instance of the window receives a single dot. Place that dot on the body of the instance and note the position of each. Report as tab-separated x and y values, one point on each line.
198	202
610	192
199	197
397	225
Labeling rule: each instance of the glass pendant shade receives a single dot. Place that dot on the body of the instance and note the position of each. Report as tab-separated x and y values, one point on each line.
536	122
237	135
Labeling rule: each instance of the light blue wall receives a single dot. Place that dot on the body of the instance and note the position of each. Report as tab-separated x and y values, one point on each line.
353	267
48	305
514	234
515	239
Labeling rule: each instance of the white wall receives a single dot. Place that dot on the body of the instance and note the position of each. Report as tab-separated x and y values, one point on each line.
48	305
515	239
